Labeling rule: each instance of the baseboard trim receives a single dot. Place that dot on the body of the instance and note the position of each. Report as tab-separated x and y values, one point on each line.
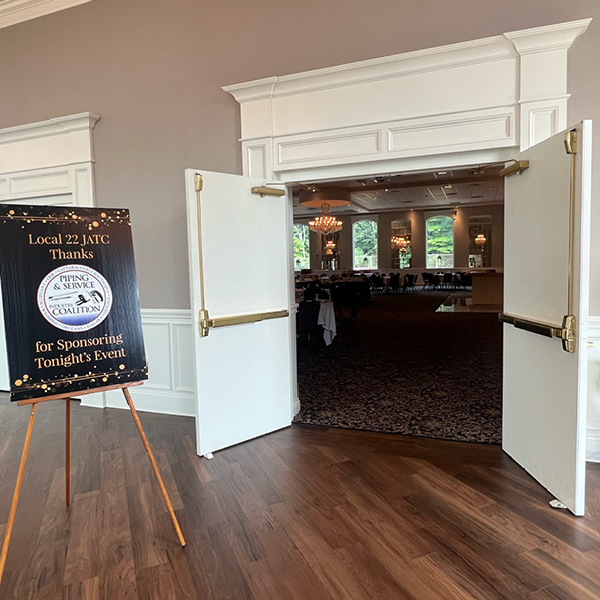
592	453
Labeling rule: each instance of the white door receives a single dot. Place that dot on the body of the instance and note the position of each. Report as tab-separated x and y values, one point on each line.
240	257
66	199
546	278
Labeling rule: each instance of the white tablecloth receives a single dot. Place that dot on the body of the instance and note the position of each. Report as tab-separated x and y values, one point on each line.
327	321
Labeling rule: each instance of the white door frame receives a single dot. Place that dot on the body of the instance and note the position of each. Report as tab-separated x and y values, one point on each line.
388	115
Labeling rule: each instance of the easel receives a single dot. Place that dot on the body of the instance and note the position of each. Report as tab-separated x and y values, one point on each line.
33	403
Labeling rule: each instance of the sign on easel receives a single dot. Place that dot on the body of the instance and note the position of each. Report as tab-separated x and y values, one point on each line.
72	317
71	305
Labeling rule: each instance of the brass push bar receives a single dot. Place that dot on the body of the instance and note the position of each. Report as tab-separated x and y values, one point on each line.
566	332
205	322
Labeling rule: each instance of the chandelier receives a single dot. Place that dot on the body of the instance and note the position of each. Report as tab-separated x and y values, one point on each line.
480	240
401	243
329	247
326	223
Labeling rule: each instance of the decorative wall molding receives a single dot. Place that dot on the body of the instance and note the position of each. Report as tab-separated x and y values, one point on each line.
536	120
258	157
386	111
18	11
443	134
72	184
56	142
170	388
56	126
338	147
466	131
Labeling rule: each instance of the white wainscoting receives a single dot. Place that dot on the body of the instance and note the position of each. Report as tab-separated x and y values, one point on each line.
170	354
593	416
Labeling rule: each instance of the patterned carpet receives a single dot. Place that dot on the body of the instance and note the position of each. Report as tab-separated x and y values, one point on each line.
403	368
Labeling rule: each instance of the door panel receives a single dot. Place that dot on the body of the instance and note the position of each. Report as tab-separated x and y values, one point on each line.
545	387
537	235
240	264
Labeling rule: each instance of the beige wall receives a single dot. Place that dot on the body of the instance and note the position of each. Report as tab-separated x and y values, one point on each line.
153	70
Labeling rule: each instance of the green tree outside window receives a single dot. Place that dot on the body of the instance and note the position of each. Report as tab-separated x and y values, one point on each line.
440	242
364	235
301	247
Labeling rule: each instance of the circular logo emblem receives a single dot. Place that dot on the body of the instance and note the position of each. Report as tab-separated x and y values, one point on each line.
74	298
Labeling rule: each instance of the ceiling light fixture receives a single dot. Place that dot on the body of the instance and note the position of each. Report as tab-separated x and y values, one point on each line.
326	223
325	199
401	243
329	247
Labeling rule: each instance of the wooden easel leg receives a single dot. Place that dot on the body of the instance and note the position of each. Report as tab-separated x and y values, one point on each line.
163	489
15	500
68	450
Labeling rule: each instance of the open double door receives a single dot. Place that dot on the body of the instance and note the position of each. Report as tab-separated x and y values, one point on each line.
242	304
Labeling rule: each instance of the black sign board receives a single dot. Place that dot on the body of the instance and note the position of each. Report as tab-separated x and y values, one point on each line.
71	307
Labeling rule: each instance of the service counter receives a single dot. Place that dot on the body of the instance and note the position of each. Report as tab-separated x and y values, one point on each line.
488	288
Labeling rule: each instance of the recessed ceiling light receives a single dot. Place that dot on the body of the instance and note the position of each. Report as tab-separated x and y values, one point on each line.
448	187
442	172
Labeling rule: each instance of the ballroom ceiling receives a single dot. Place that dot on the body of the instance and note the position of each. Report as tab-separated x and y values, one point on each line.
449	188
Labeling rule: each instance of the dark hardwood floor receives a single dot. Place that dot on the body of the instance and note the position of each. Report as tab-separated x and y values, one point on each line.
304	514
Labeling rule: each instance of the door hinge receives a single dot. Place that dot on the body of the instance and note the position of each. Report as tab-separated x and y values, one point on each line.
203	322
571	142
198	182
567	334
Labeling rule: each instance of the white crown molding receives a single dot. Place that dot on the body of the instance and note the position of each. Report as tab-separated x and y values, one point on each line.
56	126
551	37
259	89
408	63
18	11
507	45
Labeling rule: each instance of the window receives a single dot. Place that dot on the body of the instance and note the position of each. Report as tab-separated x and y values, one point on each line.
301	247
440	242
480	241
364	244
401	244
